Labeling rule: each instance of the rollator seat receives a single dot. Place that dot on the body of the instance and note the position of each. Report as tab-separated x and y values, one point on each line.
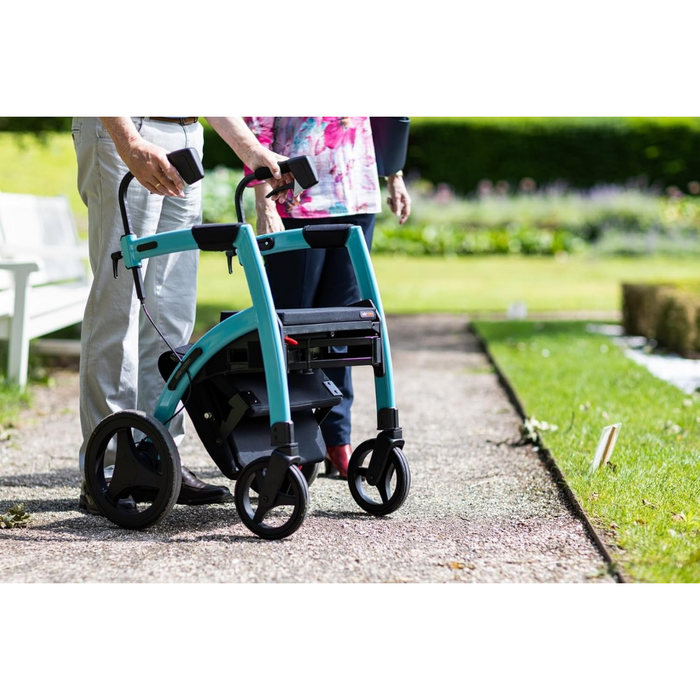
337	314
344	317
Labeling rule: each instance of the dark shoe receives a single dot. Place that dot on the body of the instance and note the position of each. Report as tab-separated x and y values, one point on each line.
195	492
337	459
87	503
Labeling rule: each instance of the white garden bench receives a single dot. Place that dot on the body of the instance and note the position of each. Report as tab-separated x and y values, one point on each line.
44	276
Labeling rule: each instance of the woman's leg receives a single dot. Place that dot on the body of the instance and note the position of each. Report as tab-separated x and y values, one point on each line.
337	286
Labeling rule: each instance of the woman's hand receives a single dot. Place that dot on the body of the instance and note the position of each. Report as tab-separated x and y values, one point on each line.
269	221
269	159
247	147
398	200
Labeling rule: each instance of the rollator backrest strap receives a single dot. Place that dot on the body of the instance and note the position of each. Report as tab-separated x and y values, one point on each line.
219	237
326	236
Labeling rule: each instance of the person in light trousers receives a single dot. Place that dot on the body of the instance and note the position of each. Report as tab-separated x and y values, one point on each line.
119	346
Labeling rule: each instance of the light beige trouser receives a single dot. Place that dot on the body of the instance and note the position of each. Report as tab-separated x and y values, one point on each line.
119	346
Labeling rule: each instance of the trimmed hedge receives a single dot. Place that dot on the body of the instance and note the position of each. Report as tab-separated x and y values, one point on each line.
582	152
640	308
667	313
35	125
677	325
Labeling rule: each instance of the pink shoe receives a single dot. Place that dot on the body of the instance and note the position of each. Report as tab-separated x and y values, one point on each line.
337	459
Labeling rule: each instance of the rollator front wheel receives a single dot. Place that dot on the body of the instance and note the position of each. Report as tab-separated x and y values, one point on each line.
145	466
279	518
392	489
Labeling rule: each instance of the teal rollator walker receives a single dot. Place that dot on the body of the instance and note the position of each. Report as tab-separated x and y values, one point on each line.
254	385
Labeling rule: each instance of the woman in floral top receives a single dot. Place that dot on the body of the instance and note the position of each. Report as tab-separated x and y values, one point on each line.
347	192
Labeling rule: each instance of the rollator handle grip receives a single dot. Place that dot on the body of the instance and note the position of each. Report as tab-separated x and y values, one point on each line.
188	163
302	167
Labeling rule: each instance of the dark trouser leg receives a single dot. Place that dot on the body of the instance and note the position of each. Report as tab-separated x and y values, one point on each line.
319	278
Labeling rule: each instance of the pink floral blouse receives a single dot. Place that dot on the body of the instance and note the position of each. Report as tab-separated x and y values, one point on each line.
343	152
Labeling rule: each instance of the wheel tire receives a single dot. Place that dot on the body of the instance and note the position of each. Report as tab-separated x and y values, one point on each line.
293	496
161	448
396	483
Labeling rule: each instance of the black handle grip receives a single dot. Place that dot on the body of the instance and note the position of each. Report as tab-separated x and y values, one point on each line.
302	167
188	163
265	173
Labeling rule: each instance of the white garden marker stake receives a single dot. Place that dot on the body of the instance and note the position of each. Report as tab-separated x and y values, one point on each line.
606	444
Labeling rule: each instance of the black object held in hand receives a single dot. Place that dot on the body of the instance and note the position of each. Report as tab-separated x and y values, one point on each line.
188	163
302	167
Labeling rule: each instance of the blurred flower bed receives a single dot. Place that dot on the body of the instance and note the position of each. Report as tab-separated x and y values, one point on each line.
532	220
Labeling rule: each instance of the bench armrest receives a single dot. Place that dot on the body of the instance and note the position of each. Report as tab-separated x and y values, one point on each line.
20	267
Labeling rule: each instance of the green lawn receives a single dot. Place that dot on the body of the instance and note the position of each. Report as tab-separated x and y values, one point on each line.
474	285
647	499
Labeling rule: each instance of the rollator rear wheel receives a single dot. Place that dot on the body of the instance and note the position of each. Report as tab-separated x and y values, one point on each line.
146	467
391	491
279	519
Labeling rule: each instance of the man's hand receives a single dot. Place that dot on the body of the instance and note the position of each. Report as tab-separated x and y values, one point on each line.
147	162
398	200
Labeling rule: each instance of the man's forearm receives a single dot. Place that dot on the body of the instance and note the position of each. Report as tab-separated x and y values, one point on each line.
123	133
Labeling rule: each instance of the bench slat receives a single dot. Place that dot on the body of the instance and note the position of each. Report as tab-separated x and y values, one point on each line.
29	222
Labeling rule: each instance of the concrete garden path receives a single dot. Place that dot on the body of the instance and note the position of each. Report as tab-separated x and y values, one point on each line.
480	509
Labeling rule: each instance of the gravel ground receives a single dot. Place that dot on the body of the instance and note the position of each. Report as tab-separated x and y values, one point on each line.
480	509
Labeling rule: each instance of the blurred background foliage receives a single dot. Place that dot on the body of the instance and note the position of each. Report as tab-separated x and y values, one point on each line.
531	186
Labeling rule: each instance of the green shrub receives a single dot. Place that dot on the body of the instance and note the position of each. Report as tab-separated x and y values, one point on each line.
640	308
218	196
669	313
444	239
676	325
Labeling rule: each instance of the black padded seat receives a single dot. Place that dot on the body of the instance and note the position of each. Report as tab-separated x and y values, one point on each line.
339	314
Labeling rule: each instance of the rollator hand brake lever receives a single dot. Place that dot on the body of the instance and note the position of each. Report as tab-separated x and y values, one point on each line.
116	257
295	185
281	188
